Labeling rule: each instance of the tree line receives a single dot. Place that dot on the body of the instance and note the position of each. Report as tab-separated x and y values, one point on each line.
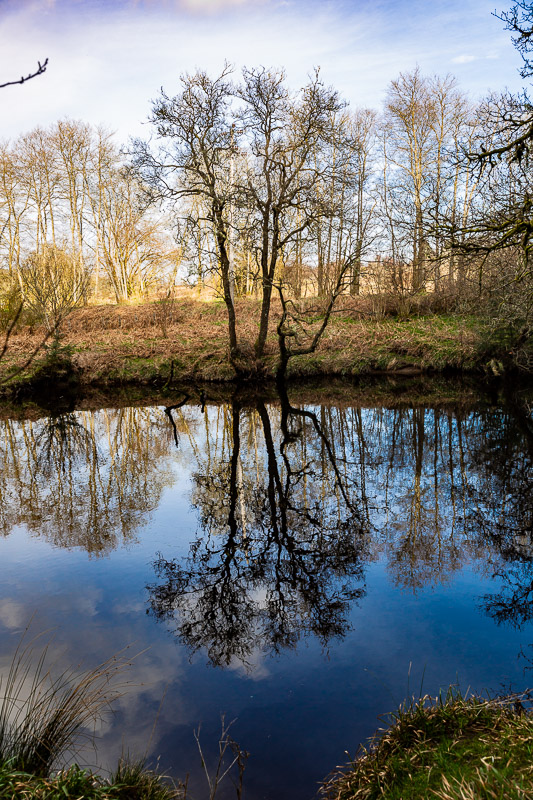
68	188
393	187
251	188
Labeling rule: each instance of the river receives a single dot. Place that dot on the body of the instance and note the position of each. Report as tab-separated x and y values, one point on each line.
298	565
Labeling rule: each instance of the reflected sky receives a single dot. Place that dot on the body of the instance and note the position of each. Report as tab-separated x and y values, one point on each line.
412	526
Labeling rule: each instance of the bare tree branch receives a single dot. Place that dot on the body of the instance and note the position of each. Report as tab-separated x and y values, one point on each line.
39	71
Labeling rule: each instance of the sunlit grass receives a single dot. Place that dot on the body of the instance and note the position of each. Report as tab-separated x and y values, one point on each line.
126	344
131	782
449	748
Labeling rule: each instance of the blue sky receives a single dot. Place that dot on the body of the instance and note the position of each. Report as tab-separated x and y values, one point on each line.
107	60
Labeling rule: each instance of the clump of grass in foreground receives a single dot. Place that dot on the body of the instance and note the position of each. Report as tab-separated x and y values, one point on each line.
131	782
448	748
44	717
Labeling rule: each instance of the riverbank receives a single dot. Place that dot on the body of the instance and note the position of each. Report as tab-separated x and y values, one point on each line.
186	341
444	392
448	749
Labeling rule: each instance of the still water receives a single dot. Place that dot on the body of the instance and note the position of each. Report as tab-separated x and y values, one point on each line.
297	565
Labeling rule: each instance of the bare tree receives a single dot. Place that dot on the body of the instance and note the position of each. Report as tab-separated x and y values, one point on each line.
426	124
410	117
285	134
197	143
52	285
246	154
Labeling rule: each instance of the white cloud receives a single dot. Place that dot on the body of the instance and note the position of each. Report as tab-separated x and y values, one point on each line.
464	59
13	615
202	6
108	60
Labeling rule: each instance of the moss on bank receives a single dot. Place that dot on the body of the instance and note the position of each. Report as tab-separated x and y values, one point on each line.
449	749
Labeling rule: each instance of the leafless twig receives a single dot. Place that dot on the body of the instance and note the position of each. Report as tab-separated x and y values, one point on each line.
39	71
238	756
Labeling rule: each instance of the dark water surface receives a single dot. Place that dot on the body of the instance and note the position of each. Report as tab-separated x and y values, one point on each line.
300	567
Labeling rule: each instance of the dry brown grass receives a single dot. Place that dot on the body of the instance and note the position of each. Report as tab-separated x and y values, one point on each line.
128	343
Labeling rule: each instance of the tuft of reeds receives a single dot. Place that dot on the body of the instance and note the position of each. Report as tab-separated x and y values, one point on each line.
132	780
231	759
449	748
42	716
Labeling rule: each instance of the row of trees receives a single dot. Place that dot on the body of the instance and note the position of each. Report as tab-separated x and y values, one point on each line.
68	189
255	189
290	193
394	194
386	194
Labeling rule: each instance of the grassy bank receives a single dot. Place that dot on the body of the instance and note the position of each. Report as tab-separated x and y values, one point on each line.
128	783
150	344
447	749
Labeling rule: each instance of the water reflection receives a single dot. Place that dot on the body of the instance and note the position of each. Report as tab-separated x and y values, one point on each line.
293	503
387	535
296	502
84	479
282	542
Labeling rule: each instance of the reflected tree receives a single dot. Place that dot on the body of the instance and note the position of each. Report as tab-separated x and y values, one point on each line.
277	558
292	500
84	479
503	513
425	538
513	604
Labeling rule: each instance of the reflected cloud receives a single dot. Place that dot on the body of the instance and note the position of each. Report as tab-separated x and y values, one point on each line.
13	614
293	504
152	674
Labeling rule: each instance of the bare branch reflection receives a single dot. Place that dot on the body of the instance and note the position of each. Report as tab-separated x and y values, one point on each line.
276	558
84	479
292	502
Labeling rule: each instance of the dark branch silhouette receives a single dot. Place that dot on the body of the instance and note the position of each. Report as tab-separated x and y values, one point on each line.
168	412
274	561
39	71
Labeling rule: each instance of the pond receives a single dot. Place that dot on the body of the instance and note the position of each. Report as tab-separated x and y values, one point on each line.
298	563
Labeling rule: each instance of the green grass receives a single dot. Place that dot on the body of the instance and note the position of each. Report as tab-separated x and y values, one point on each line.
131	782
197	343
448	748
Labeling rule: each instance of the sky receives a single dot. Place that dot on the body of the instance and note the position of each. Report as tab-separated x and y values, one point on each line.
108	59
